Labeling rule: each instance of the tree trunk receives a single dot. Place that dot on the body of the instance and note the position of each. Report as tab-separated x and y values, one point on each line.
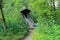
53	4
3	18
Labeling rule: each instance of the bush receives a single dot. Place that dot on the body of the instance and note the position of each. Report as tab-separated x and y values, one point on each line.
47	32
48	22
16	26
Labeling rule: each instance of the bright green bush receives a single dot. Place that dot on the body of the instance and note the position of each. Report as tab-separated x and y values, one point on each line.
44	31
48	22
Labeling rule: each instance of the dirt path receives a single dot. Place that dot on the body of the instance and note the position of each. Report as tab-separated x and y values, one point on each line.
29	37
31	29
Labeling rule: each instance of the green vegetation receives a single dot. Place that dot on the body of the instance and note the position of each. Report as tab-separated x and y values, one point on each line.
16	26
48	26
43	12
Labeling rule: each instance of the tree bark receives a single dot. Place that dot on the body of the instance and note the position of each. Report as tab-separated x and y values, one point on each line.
3	18
53	5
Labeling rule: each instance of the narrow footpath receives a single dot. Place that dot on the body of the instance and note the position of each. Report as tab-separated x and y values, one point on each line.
31	29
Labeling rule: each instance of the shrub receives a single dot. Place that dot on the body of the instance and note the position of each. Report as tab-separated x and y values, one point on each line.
16	26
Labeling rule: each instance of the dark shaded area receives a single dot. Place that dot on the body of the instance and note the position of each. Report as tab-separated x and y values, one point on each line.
0	4
25	12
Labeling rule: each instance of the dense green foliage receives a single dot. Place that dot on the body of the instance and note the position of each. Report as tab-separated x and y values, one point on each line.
43	13
48	26
16	26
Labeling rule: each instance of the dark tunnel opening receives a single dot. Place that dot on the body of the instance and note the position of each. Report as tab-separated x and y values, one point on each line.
26	15
25	12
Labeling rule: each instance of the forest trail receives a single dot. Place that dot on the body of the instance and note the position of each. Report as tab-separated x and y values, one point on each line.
29	37
31	28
